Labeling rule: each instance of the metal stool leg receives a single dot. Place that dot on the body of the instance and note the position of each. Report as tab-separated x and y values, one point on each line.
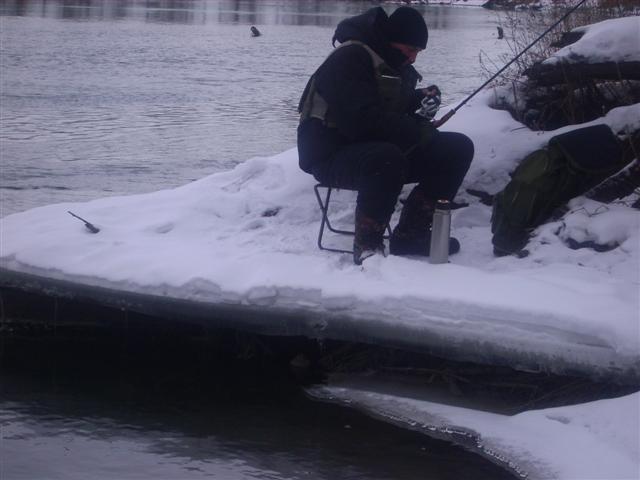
324	208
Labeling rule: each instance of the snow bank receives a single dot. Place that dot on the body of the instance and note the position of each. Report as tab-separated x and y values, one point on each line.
616	40
247	237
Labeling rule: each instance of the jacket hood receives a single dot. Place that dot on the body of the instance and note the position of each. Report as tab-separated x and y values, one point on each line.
370	27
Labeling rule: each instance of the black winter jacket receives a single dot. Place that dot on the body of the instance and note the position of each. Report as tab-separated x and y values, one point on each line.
347	81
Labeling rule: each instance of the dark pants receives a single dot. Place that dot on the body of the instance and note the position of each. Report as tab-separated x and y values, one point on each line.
378	170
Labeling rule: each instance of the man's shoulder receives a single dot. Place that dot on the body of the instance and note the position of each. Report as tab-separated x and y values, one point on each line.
352	52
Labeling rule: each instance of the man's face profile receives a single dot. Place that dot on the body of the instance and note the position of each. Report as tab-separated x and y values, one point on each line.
408	51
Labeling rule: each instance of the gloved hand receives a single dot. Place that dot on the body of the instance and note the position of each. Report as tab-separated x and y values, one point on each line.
430	103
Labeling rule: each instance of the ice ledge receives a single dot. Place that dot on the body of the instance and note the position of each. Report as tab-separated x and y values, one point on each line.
593	440
453	331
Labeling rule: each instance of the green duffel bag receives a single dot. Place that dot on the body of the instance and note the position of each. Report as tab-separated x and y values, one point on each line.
568	166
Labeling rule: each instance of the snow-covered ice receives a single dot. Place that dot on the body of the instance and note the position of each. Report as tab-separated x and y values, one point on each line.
247	236
598	440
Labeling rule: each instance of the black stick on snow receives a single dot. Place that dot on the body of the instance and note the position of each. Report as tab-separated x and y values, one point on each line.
92	228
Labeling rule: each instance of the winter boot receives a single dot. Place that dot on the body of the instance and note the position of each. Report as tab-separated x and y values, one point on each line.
412	235
368	239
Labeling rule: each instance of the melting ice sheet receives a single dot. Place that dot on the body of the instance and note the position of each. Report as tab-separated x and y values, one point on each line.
597	440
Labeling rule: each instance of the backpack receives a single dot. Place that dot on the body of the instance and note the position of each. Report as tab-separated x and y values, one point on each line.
568	166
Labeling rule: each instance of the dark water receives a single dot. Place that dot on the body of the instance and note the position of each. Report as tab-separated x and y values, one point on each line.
105	97
166	403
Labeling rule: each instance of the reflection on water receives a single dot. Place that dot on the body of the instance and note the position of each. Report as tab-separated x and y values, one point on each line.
272	12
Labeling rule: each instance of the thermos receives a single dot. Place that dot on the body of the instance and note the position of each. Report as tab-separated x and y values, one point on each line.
439	250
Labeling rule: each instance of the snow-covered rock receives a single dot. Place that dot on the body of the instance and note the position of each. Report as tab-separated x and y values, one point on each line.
615	40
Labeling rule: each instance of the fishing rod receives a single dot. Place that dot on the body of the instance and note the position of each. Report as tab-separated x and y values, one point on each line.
452	112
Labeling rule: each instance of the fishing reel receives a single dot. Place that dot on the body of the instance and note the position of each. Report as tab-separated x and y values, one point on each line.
430	103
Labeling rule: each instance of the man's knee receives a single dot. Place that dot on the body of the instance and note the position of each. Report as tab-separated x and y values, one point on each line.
463	150
467	147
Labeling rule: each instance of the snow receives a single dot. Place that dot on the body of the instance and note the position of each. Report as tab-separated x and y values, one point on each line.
247	237
596	440
599	45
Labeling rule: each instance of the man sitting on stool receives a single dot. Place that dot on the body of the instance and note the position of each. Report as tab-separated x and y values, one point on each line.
358	131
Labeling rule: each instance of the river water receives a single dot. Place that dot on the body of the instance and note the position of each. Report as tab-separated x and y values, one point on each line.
150	402
106	97
102	97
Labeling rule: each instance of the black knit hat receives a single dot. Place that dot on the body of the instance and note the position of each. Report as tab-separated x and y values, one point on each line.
406	25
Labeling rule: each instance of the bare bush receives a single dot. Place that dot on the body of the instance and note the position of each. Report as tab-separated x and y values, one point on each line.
573	98
523	26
